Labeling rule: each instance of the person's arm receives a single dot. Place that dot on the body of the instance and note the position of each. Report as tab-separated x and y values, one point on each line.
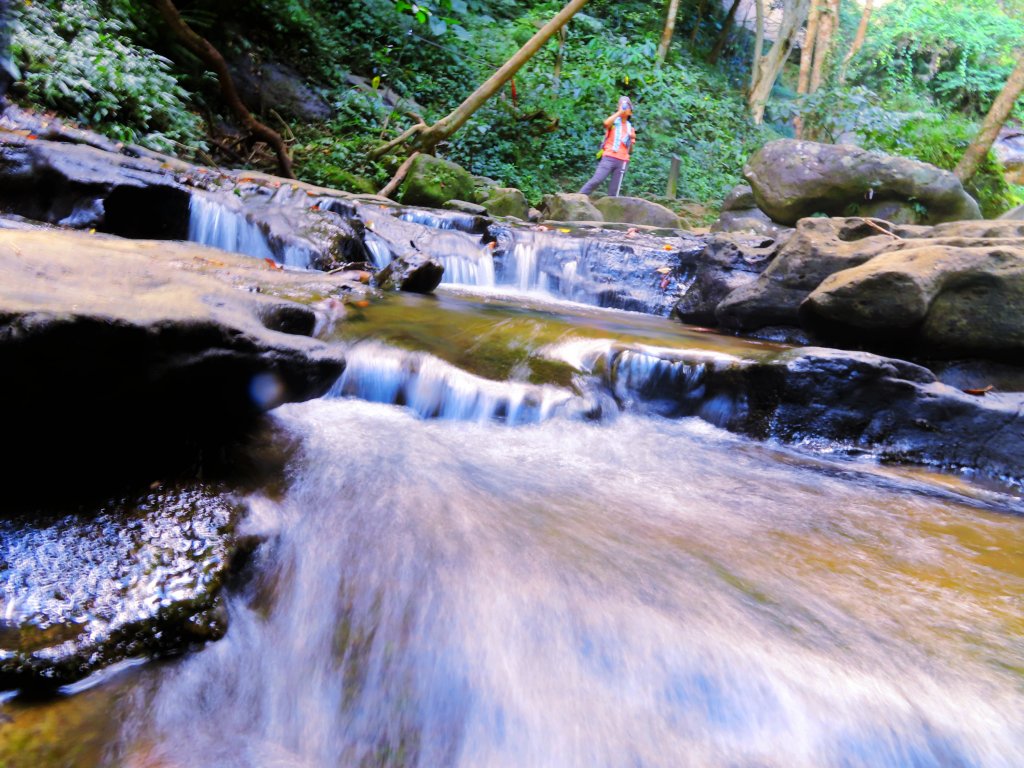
612	118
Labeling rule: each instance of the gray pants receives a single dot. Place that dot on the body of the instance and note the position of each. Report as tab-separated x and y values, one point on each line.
608	166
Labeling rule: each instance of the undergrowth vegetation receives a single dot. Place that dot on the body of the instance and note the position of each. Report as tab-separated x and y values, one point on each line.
919	87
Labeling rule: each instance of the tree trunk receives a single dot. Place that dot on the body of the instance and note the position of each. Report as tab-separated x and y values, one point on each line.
858	39
696	26
767	68
994	120
202	48
758	41
425	138
823	46
806	58
669	29
724	35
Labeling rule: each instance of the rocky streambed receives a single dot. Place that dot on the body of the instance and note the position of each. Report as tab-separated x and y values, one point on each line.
141	366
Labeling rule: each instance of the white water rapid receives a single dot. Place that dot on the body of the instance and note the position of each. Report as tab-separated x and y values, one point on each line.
648	593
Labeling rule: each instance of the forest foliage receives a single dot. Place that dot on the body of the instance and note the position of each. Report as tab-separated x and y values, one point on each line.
919	87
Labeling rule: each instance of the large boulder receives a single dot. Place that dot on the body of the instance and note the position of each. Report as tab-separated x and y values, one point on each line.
818	248
271	85
636	210
569	206
506	201
792	179
752	221
128	359
433	181
954	300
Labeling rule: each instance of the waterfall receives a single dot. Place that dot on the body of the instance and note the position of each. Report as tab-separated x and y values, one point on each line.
216	225
432	388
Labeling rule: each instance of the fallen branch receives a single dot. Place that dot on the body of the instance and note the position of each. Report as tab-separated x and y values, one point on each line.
883	230
390	188
202	48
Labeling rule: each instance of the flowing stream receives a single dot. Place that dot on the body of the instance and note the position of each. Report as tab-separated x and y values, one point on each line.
480	561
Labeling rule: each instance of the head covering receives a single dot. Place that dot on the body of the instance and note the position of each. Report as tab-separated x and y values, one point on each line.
625	103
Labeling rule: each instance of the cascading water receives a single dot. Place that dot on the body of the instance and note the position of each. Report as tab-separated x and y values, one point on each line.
488	575
211	223
658	593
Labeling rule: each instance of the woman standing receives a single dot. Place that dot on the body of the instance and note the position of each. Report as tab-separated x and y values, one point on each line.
618	141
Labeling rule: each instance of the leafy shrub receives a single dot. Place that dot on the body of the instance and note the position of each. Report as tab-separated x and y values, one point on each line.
79	61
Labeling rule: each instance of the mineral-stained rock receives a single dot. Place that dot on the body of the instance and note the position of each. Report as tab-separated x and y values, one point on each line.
636	210
793	179
137	578
124	362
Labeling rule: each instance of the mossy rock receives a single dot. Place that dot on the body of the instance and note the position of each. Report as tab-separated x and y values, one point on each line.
569	206
636	210
431	182
507	201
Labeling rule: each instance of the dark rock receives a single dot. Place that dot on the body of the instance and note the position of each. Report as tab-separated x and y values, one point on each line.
132	364
413	274
848	401
1009	151
726	263
636	210
793	179
136	578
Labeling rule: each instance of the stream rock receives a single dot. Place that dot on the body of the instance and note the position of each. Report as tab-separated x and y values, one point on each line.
728	262
636	210
135	578
569	206
951	300
506	201
271	85
818	248
793	179
433	181
854	402
127	361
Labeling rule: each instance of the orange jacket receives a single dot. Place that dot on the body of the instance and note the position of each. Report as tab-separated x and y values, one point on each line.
619	140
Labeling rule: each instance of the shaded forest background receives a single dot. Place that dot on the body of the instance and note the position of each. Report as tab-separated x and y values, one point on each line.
919	86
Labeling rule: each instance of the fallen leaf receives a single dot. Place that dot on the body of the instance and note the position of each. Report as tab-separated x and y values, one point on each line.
362	303
667	247
272	264
980	391
364	277
564	229
664	282
493	244
664	270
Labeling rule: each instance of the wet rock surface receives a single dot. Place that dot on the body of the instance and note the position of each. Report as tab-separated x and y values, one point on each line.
853	402
793	179
130	360
728	262
133	579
